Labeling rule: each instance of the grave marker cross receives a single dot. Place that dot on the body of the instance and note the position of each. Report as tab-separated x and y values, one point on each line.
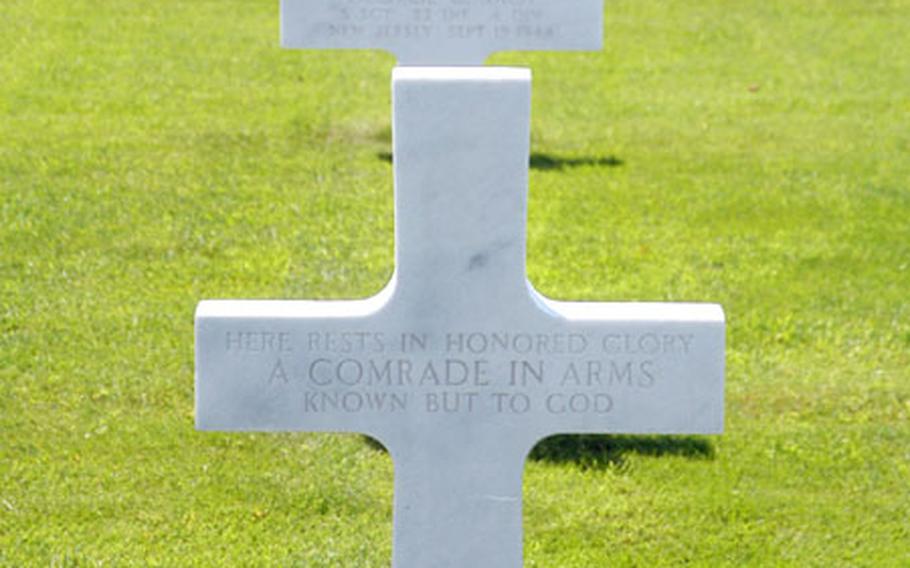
459	367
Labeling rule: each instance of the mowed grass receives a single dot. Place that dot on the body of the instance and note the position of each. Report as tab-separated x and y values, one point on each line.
754	154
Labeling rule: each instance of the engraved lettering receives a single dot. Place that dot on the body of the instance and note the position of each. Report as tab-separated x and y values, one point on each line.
593	373
451	402
353	402
312	375
414	342
515	403
404	371
381	373
257	341
278	373
461	30
648	377
351	372
233	341
571	376
346	343
429	375
618	372
579	403
477	343
344	30
646	344
522	372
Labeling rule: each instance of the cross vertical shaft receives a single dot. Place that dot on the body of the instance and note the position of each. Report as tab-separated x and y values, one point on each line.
460	250
459	505
461	216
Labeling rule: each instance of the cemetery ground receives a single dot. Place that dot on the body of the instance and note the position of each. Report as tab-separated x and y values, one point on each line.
753	154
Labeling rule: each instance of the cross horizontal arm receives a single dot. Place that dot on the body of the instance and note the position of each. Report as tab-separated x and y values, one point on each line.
541	372
459	333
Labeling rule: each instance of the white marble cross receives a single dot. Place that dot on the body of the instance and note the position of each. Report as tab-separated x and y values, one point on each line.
459	367
443	32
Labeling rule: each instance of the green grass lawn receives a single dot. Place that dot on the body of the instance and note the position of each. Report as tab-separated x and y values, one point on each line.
155	153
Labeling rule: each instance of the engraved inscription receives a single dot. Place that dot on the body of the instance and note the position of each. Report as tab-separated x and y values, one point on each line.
452	19
442	31
505	372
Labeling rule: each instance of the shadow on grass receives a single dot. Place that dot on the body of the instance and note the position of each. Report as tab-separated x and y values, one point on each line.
548	162
600	451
